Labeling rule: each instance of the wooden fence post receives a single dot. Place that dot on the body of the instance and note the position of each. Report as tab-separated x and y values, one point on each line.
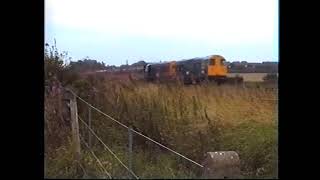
130	150
75	127
89	117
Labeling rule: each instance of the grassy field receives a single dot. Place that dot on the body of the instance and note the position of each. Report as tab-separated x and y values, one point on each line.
192	120
250	77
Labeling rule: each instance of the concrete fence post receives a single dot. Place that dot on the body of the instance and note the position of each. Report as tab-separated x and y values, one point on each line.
221	165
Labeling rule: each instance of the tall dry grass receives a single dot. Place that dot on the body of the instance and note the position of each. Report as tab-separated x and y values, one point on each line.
189	119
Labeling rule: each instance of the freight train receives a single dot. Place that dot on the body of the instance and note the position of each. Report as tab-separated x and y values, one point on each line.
191	71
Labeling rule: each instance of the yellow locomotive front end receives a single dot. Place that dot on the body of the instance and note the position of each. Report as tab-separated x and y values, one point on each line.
217	69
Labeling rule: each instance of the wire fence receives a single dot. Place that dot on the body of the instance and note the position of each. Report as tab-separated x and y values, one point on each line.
130	130
97	159
106	147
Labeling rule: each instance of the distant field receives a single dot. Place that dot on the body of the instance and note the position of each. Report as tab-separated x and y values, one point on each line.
250	77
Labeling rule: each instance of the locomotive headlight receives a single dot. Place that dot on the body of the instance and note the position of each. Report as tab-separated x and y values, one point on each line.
187	72
202	71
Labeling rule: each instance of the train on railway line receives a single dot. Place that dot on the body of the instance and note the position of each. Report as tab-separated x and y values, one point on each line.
191	71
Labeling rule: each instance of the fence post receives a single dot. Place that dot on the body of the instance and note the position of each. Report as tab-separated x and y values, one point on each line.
89	117
75	127
130	149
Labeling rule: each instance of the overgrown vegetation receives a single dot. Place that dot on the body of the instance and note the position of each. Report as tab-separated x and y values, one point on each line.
192	120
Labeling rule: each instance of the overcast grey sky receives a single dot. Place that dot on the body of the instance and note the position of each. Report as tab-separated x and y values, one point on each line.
114	31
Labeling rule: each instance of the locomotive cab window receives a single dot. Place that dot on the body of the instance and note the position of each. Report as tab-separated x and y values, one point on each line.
147	68
174	66
222	61
212	62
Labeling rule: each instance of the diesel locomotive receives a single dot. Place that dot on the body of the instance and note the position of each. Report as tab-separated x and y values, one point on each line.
191	71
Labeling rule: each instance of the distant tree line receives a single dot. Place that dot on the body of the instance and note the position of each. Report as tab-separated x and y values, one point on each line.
86	65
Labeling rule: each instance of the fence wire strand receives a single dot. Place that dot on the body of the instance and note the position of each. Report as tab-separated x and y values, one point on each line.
198	164
99	162
108	148
97	109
